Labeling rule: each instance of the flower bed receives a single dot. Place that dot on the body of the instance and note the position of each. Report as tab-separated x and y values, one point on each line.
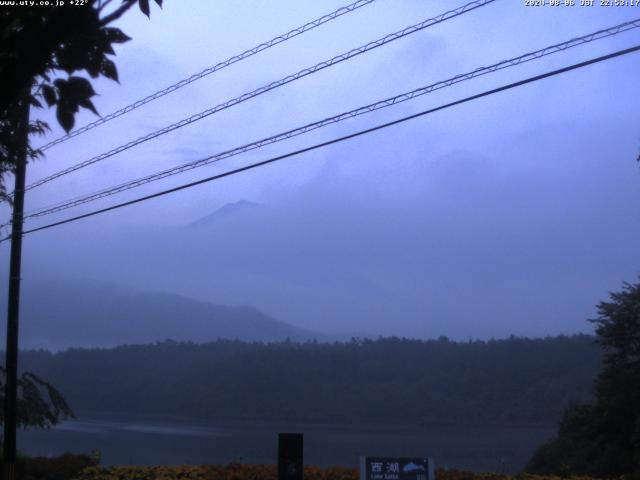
268	472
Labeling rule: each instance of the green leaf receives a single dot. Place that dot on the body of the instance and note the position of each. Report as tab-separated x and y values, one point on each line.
108	69
73	93
65	117
88	104
107	48
144	7
80	88
49	94
34	102
72	56
39	127
93	64
115	35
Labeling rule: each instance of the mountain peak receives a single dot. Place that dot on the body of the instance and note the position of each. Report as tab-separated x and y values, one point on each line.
226	211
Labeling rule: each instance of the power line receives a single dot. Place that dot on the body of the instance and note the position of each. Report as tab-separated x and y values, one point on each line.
340	139
208	71
266	88
560	47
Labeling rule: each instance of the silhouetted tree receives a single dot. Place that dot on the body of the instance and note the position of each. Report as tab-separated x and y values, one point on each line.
39	403
603	439
41	47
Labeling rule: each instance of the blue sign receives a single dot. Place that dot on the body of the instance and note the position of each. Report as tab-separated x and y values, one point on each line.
396	468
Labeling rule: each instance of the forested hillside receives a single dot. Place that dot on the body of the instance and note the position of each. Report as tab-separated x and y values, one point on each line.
512	381
55	312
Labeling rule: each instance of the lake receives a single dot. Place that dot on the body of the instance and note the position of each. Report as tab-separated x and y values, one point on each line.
142	440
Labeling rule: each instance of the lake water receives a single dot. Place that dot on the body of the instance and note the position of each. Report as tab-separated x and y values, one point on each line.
143	440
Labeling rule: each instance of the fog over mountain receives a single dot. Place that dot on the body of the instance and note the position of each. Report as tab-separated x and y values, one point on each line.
513	214
63	313
449	257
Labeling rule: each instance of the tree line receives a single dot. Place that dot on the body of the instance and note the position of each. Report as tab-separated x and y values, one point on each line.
390	380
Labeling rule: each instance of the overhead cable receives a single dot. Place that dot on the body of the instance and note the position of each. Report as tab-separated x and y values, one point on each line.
560	47
208	71
271	86
338	140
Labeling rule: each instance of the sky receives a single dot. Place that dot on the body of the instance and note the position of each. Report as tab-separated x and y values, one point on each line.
513	214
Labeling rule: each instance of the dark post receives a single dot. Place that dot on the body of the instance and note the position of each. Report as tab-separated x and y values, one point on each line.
290	449
19	151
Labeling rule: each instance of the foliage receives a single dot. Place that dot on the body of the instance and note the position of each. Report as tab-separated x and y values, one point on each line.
232	471
236	471
603	439
64	467
39	403
142	473
389	380
41	48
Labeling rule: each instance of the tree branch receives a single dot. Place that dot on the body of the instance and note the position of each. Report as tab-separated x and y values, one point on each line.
116	14
103	4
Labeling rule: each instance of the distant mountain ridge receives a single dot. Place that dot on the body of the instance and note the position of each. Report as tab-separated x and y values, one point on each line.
227	211
66	313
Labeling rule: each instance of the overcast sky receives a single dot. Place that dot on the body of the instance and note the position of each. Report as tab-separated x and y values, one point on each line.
513	214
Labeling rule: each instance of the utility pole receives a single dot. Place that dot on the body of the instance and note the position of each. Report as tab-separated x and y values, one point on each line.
19	154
